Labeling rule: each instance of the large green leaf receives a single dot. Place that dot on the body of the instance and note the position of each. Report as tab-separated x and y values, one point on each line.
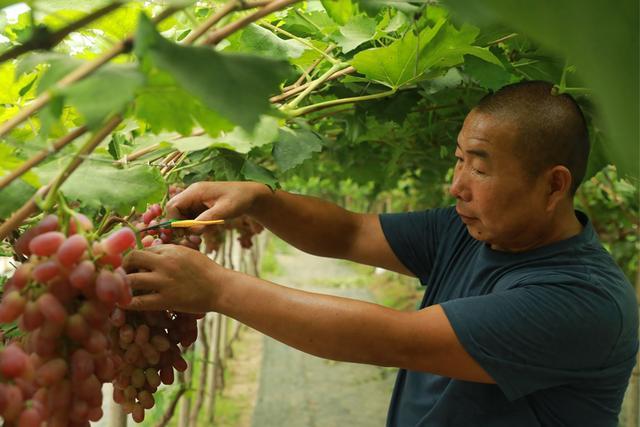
97	184
14	196
9	162
254	172
339	10
259	40
293	147
104	93
358	30
436	47
234	85
241	141
166	106
601	39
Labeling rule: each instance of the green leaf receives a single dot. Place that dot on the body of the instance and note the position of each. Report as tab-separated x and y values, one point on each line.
8	162
359	30
242	141
13	196
166	106
339	10
115	146
488	75
192	143
608	61
399	63
227	165
293	147
104	93
98	184
236	86
259	40
404	61
257	173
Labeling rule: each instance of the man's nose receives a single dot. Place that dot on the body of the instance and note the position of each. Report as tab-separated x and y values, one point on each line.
459	188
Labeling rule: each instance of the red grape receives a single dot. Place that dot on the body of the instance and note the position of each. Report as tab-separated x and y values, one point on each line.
47	243
119	241
71	250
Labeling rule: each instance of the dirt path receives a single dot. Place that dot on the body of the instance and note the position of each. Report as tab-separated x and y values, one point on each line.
299	390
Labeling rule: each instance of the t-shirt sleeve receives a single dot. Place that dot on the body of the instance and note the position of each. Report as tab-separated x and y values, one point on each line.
414	237
535	337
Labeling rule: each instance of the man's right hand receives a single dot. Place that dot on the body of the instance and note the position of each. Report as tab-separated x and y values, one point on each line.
215	200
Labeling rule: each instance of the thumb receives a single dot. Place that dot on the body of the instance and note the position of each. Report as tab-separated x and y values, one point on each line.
210	214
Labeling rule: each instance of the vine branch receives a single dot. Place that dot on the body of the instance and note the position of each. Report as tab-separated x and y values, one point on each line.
301	88
40	156
79	73
327	104
231	28
48	40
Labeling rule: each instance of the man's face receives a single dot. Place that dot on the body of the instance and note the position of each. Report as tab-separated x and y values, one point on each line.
498	202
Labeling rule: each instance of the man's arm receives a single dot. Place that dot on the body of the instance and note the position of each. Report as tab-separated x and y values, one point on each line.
313	225
326	326
325	229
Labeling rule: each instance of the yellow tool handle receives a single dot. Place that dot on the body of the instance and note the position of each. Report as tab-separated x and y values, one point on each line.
186	223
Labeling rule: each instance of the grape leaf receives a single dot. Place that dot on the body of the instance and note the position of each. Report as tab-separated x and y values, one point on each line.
293	147
97	184
259	40
9	162
254	172
234	85
404	61
358	30
166	106
240	140
13	196
104	93
339	10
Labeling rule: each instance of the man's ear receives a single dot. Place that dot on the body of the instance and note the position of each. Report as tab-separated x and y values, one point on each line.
559	181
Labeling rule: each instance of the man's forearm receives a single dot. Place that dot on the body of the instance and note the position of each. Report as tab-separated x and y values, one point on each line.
323	325
308	223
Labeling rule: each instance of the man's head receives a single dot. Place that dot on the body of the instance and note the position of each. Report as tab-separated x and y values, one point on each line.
522	153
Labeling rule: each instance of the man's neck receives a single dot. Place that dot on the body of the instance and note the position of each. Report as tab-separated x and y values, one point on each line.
561	227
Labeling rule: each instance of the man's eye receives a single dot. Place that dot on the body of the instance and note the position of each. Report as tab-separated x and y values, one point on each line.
476	171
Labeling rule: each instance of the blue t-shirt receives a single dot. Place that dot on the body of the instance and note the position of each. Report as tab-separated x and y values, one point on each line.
556	328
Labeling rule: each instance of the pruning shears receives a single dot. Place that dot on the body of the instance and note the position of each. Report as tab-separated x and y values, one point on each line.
182	223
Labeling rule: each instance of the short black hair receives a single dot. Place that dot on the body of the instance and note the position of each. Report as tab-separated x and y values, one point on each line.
552	129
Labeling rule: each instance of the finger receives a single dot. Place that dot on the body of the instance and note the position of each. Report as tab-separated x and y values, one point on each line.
144	281
210	214
161	249
186	203
140	260
147	302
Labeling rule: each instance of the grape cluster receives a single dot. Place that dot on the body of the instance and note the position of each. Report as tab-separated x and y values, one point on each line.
147	342
153	216
61	298
245	226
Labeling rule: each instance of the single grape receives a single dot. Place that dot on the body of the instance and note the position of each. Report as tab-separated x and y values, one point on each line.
52	372
119	241
13	361
11	307
83	275
32	317
71	250
47	243
46	271
77	327
108	287
52	309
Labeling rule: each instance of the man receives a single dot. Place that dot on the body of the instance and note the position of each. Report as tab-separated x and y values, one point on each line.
526	320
